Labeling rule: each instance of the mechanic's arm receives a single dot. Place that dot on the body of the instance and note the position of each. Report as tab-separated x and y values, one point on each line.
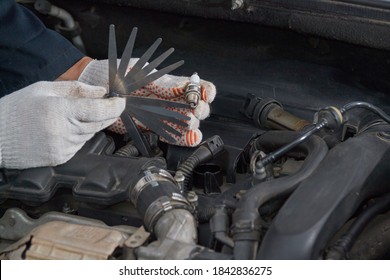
44	123
74	72
29	52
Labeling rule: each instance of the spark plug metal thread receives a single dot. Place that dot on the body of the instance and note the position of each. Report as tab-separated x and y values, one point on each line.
193	91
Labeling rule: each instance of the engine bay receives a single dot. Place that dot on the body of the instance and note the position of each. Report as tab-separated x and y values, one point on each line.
294	162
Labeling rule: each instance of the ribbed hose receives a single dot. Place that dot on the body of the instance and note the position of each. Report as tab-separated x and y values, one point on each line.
246	219
204	214
129	150
188	167
209	149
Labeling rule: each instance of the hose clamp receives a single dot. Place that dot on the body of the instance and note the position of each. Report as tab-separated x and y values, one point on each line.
163	205
151	177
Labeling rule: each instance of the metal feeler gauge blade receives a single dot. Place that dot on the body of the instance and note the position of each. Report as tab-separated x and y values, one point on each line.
151	112
112	62
143	60
121	84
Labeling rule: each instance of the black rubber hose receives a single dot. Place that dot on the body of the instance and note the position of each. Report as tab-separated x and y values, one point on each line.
245	249
224	238
188	167
219	226
344	244
209	149
246	218
271	157
129	150
374	242
206	212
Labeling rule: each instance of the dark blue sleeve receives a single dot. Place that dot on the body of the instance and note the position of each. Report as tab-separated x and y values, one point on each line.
29	52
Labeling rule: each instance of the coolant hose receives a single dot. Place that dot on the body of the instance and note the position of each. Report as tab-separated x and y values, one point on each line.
246	218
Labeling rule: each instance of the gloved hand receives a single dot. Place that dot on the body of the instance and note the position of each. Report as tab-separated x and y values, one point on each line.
168	87
46	123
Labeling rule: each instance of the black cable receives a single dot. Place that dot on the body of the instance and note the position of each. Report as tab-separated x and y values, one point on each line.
365	105
271	157
328	117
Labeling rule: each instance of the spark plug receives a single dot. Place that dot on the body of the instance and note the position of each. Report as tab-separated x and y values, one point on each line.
192	93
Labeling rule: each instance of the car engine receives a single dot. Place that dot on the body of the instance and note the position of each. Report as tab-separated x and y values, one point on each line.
296	151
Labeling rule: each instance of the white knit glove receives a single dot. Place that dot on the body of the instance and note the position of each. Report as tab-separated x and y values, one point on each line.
46	123
168	87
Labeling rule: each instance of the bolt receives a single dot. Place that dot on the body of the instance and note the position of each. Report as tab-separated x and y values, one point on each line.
276	171
192	196
237	4
179	178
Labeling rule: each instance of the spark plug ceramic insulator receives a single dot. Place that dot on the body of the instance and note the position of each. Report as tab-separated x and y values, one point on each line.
193	90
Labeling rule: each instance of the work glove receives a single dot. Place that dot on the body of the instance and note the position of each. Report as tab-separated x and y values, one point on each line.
168	87
46	123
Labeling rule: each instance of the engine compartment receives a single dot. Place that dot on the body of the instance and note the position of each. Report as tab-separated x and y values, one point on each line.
327	198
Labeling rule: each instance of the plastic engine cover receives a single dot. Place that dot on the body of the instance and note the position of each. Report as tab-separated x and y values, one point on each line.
94	174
